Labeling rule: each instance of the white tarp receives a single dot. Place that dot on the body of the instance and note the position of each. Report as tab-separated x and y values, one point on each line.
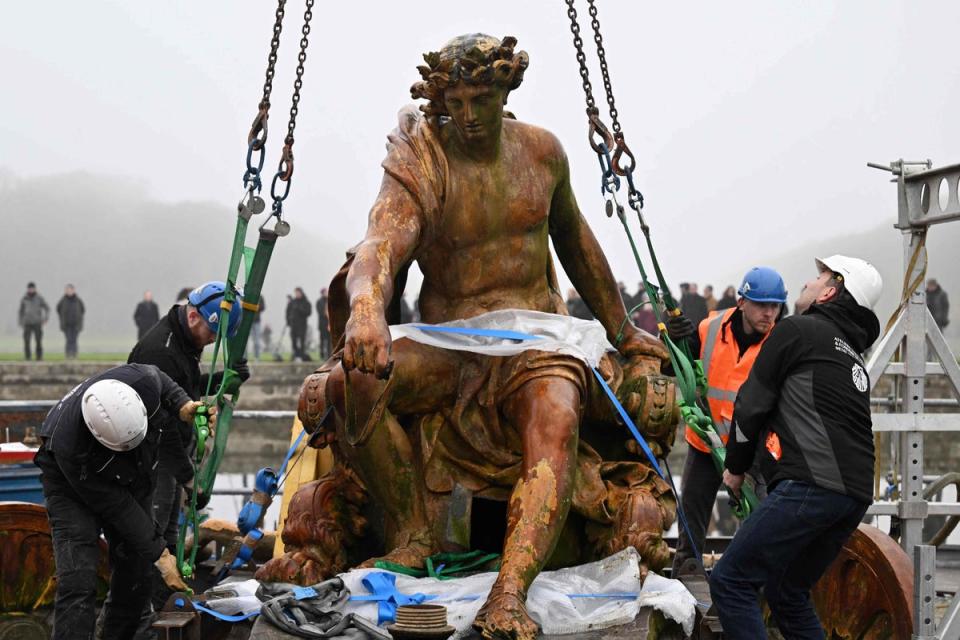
549	602
582	339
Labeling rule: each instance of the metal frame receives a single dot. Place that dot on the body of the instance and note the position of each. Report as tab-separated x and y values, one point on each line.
919	189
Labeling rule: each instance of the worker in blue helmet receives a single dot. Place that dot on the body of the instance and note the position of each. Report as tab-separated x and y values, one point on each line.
206	299
727	343
175	345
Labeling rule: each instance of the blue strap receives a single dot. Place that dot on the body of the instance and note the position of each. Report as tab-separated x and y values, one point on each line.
483	333
222	616
383	590
290	452
302	593
619	596
626	419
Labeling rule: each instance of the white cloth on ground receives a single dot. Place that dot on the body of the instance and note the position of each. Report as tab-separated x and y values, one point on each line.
585	340
548	600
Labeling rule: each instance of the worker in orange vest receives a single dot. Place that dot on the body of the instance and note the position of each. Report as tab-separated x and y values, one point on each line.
727	343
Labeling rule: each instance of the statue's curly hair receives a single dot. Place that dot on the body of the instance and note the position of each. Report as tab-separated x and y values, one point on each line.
475	59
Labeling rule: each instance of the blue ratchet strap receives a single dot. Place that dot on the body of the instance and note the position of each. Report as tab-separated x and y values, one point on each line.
222	616
383	591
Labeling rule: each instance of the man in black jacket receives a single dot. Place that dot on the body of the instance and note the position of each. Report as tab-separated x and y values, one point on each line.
298	310
97	459
146	314
808	396
175	345
70	309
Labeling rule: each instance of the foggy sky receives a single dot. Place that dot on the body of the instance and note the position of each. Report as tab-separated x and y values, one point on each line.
751	121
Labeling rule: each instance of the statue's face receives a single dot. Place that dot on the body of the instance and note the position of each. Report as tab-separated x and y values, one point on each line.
476	110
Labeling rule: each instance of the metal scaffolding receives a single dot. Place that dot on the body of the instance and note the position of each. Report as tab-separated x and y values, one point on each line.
926	197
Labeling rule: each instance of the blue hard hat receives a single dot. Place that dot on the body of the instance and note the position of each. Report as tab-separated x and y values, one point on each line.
207	298
763	284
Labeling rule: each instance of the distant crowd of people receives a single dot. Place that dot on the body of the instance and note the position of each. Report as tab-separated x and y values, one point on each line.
696	306
34	313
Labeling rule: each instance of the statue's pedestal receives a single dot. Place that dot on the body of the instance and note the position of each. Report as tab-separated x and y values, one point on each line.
648	625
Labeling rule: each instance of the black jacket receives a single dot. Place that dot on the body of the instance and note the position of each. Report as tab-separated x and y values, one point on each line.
146	315
71	310
169	347
116	486
298	310
810	387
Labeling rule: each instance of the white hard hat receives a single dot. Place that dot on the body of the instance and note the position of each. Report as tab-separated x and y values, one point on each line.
860	278
115	414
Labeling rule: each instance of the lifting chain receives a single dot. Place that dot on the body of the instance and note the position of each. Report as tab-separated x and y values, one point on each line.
602	55
285	166
257	137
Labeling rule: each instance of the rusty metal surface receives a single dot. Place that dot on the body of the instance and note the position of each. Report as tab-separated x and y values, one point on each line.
867	593
26	559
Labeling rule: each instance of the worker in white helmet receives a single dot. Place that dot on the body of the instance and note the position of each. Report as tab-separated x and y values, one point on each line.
808	399
98	461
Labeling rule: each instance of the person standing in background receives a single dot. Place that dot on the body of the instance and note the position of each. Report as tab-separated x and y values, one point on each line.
146	314
70	309
33	314
728	300
938	303
298	310
708	297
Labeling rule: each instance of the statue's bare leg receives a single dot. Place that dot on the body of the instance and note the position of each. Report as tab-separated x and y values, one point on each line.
547	413
426	378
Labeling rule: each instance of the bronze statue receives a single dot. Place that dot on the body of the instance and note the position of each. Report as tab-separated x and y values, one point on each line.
475	196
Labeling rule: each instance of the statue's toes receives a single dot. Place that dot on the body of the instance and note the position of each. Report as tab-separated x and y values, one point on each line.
504	617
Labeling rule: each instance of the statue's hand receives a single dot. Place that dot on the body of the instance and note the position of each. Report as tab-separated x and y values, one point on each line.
367	345
640	343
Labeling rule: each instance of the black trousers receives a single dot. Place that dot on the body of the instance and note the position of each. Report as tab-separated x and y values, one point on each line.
76	534
71	333
35	330
298	337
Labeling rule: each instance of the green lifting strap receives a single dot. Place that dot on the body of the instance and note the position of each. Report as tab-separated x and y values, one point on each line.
227	351
688	371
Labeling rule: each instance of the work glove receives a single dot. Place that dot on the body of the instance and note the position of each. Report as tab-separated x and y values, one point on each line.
167	565
679	327
242	369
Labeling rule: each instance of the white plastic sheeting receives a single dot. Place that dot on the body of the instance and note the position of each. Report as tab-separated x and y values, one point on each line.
549	602
582	339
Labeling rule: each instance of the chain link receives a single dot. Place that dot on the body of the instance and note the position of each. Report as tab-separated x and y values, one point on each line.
602	55
581	57
272	58
298	83
285	167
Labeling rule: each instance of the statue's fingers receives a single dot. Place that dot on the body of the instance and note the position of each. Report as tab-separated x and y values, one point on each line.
348	360
382	364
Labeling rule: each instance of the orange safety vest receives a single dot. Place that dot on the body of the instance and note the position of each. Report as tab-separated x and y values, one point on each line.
725	371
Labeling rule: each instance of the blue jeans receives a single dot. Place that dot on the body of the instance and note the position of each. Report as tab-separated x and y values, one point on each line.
783	547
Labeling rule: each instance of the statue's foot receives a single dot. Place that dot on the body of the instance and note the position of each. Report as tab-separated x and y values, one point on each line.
504	617
412	555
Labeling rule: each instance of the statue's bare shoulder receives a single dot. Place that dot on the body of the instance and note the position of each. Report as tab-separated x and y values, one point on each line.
544	147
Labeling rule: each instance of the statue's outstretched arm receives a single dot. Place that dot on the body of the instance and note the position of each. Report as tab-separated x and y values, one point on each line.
393	232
